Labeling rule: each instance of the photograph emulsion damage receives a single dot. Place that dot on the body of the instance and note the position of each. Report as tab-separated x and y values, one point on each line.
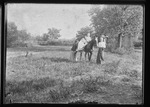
74	53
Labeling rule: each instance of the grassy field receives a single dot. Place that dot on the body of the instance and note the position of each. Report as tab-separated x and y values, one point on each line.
48	76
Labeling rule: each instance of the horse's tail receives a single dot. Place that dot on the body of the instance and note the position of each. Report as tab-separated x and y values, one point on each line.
74	47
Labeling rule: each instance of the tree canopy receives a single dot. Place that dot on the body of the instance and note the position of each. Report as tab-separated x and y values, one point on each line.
15	36
83	32
115	19
53	33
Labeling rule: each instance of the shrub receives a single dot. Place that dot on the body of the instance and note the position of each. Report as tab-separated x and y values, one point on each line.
137	92
111	44
90	85
17	44
130	50
59	93
120	51
137	43
56	42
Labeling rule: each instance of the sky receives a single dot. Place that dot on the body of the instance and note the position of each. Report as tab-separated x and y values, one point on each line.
37	18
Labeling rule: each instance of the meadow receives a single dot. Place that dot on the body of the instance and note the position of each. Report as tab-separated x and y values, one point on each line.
47	75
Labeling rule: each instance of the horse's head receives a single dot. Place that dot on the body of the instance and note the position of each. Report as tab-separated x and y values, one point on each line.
94	40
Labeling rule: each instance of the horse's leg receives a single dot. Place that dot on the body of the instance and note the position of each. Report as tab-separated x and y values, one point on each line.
85	55
80	55
75	56
90	56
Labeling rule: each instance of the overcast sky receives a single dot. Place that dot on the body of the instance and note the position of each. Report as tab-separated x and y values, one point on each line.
37	18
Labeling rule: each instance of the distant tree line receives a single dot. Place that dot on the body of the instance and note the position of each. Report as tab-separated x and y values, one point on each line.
21	38
52	38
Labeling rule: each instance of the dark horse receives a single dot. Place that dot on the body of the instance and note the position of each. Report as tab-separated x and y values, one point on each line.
88	49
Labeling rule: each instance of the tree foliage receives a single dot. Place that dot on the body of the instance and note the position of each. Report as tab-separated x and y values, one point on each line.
118	18
83	32
15	36
49	38
23	36
114	20
11	33
53	33
45	37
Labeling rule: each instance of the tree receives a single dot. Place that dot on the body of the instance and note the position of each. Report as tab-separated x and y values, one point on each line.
23	36
45	37
83	32
53	33
118	20
15	36
11	33
38	38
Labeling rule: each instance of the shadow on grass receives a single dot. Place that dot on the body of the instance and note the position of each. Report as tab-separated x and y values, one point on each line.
59	60
33	85
68	60
57	91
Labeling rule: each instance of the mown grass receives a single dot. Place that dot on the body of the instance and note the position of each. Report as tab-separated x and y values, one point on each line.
50	77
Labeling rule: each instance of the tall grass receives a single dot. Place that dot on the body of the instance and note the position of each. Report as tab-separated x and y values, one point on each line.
50	77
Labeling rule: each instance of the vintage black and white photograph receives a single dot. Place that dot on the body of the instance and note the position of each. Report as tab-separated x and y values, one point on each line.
74	53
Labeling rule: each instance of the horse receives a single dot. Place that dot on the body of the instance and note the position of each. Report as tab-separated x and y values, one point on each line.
88	49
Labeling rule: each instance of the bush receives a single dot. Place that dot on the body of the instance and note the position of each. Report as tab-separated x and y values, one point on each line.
120	51
137	43
111	45
19	44
56	42
16	44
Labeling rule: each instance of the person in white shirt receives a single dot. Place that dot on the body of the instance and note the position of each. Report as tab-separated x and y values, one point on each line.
101	44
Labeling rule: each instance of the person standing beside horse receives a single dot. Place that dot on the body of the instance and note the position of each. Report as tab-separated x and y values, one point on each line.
101	44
